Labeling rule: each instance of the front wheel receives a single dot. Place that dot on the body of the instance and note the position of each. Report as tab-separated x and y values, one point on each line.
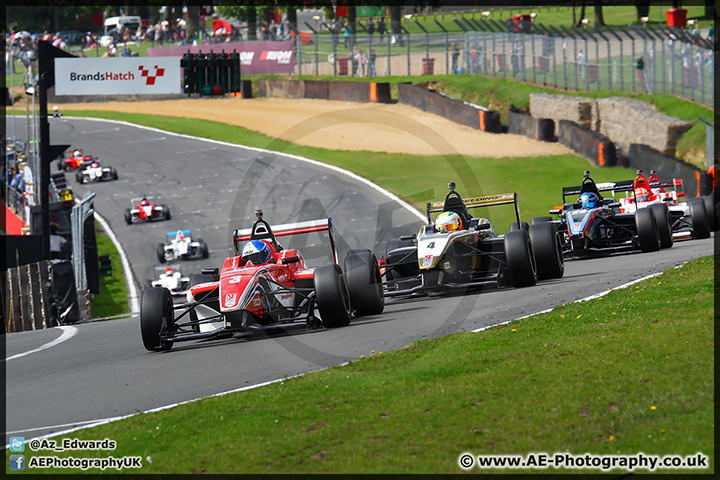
156	315
364	283
333	297
701	226
662	216
547	248
160	252
128	216
522	269
647	230
710	212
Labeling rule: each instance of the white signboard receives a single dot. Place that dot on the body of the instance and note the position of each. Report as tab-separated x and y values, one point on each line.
117	76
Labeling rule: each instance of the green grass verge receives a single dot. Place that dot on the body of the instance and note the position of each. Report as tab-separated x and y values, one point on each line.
418	179
112	299
626	373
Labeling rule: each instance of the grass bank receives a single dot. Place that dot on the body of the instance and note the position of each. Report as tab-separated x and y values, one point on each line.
112	299
629	372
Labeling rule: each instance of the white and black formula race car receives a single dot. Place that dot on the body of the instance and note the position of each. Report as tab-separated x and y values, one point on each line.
94	172
179	245
171	277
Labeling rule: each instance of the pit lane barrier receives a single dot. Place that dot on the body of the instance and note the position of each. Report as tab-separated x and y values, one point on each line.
325	90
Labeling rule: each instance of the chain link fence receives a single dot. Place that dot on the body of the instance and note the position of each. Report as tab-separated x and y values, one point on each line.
626	59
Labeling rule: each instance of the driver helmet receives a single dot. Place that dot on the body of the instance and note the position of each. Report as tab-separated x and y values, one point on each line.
168	270
589	200
180	236
256	251
448	222
77	153
95	164
144	201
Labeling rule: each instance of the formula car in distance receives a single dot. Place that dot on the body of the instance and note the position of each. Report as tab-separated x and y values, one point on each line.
264	286
694	218
76	160
171	278
596	225
144	210
467	252
94	172
179	245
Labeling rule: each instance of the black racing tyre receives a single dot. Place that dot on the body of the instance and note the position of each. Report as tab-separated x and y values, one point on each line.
204	252
647	230
333	297
540	220
514	226
61	164
710	212
160	252
114	174
364	282
79	176
662	218
128	216
166	212
522	269
156	315
547	248
701	226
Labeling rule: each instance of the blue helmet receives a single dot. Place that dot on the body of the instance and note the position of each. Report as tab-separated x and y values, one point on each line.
589	200
256	251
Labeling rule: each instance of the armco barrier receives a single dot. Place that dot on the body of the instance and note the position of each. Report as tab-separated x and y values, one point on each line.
325	90
594	146
453	109
645	158
538	128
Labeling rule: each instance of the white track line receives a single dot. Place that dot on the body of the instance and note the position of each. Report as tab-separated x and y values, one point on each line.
67	333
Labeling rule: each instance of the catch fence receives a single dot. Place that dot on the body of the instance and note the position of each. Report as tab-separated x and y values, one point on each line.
622	59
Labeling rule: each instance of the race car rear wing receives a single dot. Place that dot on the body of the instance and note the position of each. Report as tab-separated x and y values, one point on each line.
286	229
623	186
487	201
184	232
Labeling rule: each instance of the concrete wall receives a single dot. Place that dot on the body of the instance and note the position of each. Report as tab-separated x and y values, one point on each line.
325	90
542	129
594	146
623	120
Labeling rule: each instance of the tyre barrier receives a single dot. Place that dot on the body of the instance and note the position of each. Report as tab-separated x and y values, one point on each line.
464	113
542	129
594	146
325	90
645	158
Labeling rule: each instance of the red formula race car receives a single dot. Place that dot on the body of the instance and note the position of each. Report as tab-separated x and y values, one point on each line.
265	287
76	159
144	210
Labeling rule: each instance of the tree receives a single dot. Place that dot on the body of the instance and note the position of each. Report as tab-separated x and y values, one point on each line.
395	16
578	23
643	8
599	20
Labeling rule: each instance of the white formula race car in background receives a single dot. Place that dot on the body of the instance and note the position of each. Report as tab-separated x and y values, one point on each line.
171	277
94	172
179	245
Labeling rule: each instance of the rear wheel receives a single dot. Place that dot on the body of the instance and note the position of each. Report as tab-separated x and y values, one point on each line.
701	226
540	220
710	213
128	216
647	230
204	253
333	297
514	226
662	218
166	211
547	248
114	174
364	283
520	259
156	315
160	252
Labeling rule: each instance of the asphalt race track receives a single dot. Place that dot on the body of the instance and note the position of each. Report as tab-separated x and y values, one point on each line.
103	371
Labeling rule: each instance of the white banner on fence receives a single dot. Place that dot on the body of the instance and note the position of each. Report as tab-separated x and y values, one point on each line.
117	76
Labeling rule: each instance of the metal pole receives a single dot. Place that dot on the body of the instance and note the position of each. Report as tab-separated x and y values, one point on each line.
408	50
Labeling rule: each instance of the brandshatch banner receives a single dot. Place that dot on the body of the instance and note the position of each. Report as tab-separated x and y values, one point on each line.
255	57
117	76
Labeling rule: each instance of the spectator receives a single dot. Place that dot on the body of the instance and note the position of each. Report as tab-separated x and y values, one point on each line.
371	62
711	32
696	31
10	55
346	34
381	29
354	59
361	60
581	63
370	28
140	34
150	34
